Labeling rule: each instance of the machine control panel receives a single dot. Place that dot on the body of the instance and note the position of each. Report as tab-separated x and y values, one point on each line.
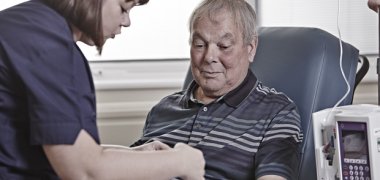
353	143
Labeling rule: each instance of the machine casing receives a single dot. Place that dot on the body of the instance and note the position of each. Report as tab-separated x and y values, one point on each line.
350	138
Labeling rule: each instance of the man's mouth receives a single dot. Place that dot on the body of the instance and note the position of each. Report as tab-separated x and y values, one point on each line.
210	74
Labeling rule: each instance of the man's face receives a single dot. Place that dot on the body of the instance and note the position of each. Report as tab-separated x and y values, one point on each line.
219	59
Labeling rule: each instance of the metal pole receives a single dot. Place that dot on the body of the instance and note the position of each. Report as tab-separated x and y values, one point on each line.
378	64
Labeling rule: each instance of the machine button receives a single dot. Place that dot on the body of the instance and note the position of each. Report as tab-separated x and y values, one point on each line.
358	161
361	178
361	168
352	160
356	178
351	177
366	168
351	173
364	161
346	160
345	167
350	167
356	173
361	173
367	178
345	173
356	168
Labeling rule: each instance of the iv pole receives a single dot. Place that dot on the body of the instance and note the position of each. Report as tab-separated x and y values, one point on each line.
378	64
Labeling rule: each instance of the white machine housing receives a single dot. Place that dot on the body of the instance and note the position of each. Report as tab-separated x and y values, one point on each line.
347	142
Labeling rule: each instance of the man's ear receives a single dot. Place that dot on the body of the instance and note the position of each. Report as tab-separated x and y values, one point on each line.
252	48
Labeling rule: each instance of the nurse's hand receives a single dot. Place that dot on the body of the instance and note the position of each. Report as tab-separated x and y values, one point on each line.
374	4
193	162
152	146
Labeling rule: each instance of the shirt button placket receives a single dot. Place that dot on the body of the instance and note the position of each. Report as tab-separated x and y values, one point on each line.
199	125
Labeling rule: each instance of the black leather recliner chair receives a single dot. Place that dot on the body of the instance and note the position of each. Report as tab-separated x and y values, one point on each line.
303	63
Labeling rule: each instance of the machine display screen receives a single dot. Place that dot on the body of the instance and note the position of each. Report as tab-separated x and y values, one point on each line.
355	146
353	142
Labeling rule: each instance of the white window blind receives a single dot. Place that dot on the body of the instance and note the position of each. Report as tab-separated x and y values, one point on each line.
6	3
159	30
358	24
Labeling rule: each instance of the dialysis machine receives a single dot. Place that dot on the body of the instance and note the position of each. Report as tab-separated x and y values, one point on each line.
347	142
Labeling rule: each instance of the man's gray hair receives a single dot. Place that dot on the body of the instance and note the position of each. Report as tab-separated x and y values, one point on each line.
243	14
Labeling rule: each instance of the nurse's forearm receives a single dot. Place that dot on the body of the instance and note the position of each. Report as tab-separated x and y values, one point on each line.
151	146
87	160
271	177
139	165
114	147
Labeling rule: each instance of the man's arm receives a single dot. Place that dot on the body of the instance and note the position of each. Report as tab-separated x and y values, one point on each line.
279	152
85	159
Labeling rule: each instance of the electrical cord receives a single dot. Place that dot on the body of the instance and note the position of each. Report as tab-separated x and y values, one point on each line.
341	66
331	152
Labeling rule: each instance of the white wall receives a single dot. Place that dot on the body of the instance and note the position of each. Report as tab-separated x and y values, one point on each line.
358	25
126	91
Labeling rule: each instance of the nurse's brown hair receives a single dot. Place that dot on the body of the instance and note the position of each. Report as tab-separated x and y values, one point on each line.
86	15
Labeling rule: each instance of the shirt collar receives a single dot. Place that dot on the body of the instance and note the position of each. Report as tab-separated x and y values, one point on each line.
233	98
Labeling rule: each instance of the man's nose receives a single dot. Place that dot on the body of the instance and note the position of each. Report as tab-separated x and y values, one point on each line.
211	54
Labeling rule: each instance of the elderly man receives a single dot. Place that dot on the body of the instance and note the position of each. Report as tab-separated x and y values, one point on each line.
244	129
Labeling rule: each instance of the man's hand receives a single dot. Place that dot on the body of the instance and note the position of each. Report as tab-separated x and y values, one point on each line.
374	4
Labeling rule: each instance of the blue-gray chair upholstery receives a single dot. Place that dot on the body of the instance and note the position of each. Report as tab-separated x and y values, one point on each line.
303	63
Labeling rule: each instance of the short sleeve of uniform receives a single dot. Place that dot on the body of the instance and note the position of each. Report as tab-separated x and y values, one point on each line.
278	153
52	75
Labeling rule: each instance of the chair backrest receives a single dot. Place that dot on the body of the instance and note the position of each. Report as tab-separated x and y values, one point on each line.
304	63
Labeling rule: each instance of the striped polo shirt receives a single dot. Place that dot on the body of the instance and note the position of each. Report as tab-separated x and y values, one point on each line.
249	132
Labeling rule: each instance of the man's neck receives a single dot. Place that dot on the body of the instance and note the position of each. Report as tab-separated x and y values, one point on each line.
199	95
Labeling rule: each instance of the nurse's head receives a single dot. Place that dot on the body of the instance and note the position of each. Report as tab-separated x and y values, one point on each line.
95	21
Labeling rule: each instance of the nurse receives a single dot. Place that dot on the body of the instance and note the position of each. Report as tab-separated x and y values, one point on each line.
47	98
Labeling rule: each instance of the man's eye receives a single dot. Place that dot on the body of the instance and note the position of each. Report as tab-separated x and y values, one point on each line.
224	47
199	45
